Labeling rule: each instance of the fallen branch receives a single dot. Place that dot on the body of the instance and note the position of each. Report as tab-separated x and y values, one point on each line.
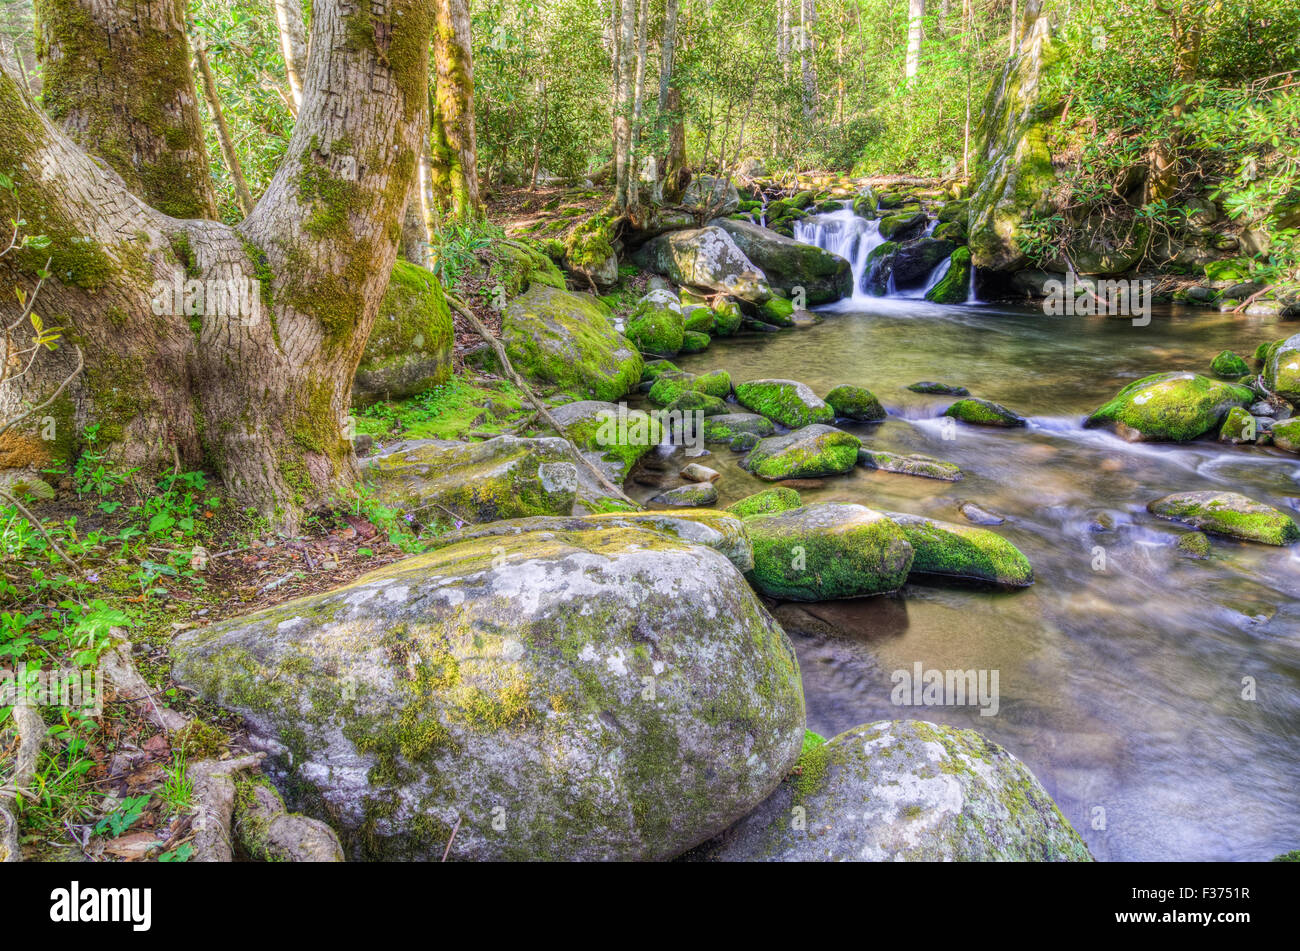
542	411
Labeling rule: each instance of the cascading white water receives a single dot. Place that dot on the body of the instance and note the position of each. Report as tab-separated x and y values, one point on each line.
853	238
843	233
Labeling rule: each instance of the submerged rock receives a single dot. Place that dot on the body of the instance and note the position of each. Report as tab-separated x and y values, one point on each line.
1170	406
979	412
698	473
855	402
568	340
941	389
504	680
828	550
705	258
505	477
1228	513
949	550
689	496
1194	545
913	465
978	514
905	790
806	453
786	402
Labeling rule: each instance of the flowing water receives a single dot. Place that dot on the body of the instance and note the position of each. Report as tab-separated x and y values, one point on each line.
1124	671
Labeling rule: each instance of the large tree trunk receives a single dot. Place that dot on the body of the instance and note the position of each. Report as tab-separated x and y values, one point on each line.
257	387
118	80
455	154
625	193
293	44
915	33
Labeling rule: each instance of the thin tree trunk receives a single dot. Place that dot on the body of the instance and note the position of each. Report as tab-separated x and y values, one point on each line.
1013	31
915	33
807	56
537	143
293	44
118	80
242	195
783	37
256	381
455	153
624	188
638	96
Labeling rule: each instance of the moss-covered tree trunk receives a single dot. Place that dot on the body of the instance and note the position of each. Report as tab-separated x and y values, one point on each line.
454	165
118	80
220	346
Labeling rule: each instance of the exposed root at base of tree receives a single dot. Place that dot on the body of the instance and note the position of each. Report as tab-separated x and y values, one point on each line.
30	729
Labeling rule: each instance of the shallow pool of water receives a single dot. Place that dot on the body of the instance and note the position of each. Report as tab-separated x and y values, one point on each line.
1122	670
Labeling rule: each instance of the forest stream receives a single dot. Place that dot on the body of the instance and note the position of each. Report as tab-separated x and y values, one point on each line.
1121	688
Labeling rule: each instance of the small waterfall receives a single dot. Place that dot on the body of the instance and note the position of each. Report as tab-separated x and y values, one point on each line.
852	238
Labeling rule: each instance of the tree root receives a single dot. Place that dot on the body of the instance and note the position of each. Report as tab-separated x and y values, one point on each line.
481	329
30	729
270	833
214	805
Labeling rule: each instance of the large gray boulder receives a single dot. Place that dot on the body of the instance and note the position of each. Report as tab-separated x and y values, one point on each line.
790	264
613	694
707	259
905	790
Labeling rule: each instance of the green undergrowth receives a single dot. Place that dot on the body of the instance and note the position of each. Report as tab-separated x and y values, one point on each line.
454	410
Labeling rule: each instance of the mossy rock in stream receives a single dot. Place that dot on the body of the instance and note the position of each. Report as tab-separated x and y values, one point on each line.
778	312
1170	406
954	286
694	342
826	551
727	317
1230	514
979	412
950	550
653	369
669	386
656	327
618	436
1238	427
1229	366
733	425
808	453
509	672
787	402
767	502
855	402
409	349
1286	435
913	465
902	227
904	790
715	383
568	340
693	401
698	319
1282	368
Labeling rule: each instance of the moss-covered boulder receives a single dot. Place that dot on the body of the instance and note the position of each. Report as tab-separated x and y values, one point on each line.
767	502
1170	406
1286	435
949	550
715	383
727	317
778	312
855	402
878	267
727	428
979	412
693	401
905	790
1282	368
670	386
653	369
611	435
913	465
498	688
1193	545
916	259
589	251
902	227
787	402
938	389
807	453
1229	366
409	349
789	264
694	342
705	258
698	319
954	286
656	326
568	340
826	551
1230	514
517	264
441	480
723	532
1238	427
